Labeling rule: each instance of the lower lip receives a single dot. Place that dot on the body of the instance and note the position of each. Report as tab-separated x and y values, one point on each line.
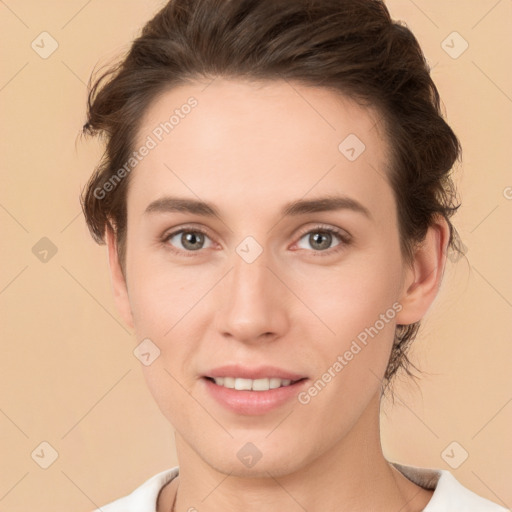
253	403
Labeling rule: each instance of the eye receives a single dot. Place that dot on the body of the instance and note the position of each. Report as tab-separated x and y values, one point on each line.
320	239
190	240
187	240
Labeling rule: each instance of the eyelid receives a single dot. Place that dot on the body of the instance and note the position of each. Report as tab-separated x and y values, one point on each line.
186	227
343	234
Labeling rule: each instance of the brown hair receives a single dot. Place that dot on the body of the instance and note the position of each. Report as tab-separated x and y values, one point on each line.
352	47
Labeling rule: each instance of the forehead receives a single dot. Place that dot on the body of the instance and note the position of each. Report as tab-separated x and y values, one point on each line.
233	140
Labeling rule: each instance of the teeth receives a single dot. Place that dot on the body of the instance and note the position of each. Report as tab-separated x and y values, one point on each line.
242	384
260	385
251	385
229	382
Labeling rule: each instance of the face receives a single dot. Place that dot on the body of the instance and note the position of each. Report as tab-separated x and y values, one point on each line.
263	288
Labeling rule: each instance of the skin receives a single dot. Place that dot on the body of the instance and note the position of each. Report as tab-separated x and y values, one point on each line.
250	148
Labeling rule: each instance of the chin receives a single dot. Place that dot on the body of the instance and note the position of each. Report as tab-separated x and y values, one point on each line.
250	461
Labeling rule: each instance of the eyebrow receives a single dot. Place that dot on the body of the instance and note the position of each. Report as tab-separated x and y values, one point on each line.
171	204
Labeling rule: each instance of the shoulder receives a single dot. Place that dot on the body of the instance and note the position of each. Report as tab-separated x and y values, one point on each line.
144	497
449	493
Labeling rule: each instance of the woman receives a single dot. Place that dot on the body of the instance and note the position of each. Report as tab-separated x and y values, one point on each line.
276	199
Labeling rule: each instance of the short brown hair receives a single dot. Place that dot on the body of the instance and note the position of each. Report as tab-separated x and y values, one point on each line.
352	47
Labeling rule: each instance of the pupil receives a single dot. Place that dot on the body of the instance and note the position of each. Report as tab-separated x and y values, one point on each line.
318	236
191	240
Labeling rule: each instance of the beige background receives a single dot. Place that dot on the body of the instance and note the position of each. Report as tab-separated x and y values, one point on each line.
68	376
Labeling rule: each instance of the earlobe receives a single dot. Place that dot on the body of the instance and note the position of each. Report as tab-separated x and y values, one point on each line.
117	279
425	275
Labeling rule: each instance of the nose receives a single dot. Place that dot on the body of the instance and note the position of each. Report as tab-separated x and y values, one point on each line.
253	302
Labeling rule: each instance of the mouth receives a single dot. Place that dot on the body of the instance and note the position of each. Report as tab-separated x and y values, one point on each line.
254	396
262	384
252	391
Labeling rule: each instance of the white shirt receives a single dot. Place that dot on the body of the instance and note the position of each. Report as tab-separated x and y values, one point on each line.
449	495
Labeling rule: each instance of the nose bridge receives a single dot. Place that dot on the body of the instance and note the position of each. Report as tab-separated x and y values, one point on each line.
250	280
250	274
251	304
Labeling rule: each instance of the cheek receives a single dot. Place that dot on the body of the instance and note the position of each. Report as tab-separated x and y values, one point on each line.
353	296
350	361
359	305
169	392
161	295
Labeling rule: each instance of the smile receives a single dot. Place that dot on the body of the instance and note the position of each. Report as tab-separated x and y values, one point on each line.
241	384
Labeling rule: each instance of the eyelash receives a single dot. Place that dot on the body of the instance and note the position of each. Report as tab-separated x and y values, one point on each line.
344	238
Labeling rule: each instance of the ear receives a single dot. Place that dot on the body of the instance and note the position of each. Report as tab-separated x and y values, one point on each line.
117	279
423	278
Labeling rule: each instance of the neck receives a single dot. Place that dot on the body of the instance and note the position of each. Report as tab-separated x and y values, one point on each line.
352	475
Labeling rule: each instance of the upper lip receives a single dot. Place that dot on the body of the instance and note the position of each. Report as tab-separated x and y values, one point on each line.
259	372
